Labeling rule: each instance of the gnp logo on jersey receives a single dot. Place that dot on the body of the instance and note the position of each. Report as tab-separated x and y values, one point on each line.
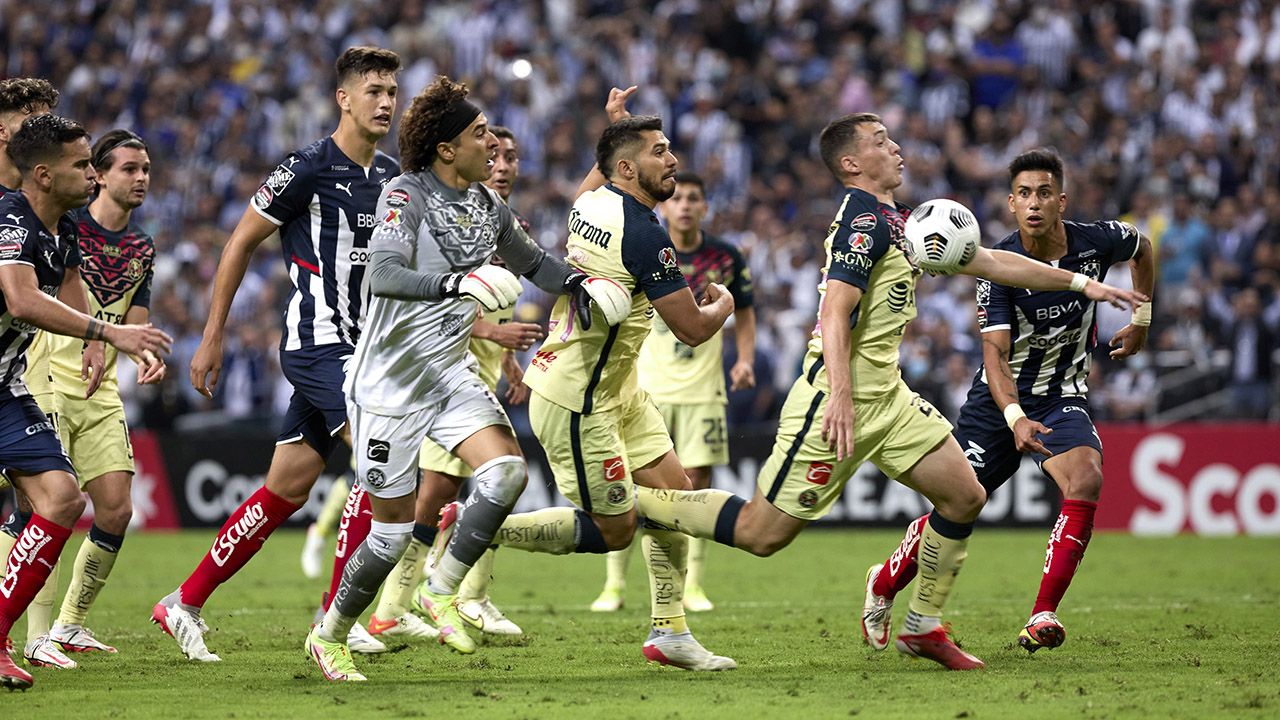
375	478
819	473
379	450
280	178
865	222
614	469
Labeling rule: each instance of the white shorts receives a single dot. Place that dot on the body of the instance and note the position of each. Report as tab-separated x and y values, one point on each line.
386	447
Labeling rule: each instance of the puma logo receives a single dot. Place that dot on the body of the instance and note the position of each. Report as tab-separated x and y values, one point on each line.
15	218
346	189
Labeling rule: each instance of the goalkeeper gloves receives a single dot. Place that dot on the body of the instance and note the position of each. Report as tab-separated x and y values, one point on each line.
493	287
612	299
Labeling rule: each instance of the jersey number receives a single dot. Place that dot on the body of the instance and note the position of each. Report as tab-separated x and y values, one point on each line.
715	431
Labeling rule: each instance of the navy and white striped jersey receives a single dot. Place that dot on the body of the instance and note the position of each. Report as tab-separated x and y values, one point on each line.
25	240
1054	332
323	203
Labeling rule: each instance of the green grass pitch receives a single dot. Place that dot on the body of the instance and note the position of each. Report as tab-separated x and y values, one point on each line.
1171	628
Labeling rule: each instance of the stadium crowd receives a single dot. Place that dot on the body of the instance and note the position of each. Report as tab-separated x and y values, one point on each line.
1165	112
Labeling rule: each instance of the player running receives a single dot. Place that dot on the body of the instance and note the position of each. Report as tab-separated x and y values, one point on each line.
494	337
851	405
39	260
687	383
1029	396
412	377
321	200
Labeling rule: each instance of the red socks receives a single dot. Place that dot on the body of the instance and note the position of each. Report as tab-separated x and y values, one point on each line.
239	540
1067	543
357	521
28	566
900	569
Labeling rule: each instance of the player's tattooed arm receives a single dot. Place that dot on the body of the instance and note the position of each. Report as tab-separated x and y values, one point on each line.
996	349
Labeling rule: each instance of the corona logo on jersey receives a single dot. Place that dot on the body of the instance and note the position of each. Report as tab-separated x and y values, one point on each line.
29	544
253	519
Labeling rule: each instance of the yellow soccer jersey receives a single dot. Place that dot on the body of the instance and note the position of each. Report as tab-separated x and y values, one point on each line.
613	235
37	375
489	353
674	373
865	248
117	268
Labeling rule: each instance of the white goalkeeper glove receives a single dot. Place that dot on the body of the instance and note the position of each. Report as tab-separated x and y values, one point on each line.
493	287
587	290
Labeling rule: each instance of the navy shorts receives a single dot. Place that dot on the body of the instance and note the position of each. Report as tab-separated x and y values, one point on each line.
318	408
988	443
28	440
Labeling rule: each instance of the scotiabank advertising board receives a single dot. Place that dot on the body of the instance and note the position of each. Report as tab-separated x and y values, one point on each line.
1202	479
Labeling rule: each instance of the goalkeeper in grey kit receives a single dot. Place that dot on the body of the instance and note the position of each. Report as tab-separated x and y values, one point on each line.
411	376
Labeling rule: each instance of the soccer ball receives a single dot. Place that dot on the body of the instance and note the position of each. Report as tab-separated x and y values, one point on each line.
942	236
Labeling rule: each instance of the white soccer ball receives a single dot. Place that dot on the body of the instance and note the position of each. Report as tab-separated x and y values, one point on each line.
942	236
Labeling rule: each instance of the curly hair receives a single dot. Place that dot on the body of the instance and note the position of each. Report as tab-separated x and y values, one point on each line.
41	140
421	122
25	94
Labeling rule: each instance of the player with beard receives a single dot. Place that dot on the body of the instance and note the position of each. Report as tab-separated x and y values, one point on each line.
1036	351
39	265
321	200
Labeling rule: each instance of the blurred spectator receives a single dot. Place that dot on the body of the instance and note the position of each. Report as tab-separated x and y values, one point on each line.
1182	245
1252	344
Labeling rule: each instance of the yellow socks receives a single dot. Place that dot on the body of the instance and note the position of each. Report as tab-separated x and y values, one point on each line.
331	511
88	575
665	553
939	559
709	514
475	586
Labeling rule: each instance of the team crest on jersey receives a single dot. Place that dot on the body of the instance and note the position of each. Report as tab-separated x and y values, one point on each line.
375	478
860	242
464	231
280	178
866	222
397	198
667	257
808	499
1092	268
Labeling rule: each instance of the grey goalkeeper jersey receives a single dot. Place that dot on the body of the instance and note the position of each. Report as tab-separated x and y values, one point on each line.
410	346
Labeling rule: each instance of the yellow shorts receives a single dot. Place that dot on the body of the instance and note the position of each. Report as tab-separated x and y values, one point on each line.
802	478
698	433
436	459
95	435
592	456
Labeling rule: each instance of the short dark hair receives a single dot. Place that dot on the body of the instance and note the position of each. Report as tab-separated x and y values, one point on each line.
841	136
623	135
503	133
357	61
24	94
688	177
41	139
104	150
1041	158
421	122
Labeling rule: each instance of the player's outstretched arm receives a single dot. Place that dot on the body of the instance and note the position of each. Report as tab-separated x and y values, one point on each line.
1131	338
93	361
838	304
694	324
996	346
206	363
1009	268
28	304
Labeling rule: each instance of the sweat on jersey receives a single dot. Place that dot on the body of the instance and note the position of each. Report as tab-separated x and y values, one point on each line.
116	268
410	346
674	373
1054	332
24	240
613	235
865	248
323	202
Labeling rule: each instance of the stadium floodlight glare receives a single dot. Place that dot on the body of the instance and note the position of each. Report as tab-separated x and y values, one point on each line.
521	68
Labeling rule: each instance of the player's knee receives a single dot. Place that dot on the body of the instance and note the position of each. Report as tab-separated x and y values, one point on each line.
502	479
964	503
761	545
1086	485
389	540
114	520
618	533
63	505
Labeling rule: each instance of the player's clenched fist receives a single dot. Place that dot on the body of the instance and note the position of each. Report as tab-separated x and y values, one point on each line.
493	287
612	299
